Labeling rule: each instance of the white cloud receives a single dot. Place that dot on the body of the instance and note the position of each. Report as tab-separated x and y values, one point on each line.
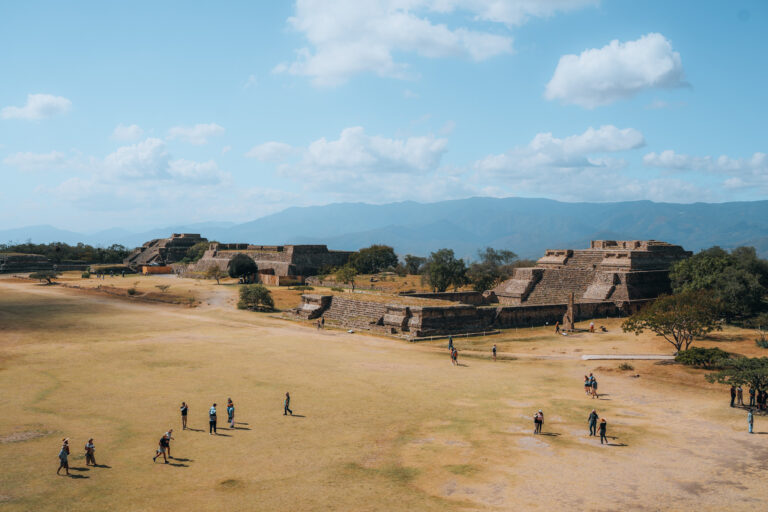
511	12
251	82
270	151
226	149
149	160
616	71
749	172
127	133
197	134
36	161
546	152
354	153
38	106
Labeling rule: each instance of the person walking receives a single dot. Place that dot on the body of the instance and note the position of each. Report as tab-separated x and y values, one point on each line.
587	386
212	420
322	322
739	396
603	427
162	448
594	387
535	423
557	327
63	456
493	350
751	396
541	419
90	459
287	404
750	420
592	423
733	395
450	343
184	411
231	413
169	436
455	357
591	326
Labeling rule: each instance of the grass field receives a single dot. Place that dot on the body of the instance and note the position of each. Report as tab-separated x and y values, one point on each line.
382	424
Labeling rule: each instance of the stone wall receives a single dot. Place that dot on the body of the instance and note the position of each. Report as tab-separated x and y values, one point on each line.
473	298
163	251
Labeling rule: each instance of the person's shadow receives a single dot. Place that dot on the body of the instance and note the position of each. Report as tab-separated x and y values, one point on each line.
77	476
195	429
550	434
103	466
297	416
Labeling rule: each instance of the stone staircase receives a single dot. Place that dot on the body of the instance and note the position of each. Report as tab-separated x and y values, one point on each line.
584	260
355	314
557	284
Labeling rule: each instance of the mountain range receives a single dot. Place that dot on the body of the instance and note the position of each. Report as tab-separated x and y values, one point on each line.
523	225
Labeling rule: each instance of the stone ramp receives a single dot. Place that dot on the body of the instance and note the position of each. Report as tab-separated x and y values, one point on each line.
355	314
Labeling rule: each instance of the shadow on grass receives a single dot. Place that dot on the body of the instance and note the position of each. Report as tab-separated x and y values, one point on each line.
182	460
195	429
78	476
103	466
222	435
178	465
296	416
79	469
550	434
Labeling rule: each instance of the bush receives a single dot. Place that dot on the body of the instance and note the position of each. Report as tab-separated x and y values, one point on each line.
255	297
131	291
86	275
709	358
302	287
337	289
761	342
626	367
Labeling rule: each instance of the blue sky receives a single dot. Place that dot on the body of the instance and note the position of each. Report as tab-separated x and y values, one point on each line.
145	114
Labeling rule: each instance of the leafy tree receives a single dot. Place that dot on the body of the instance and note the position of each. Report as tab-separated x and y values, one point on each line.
345	274
679	319
255	297
45	275
494	267
710	358
443	270
58	252
241	265
740	371
414	264
195	252
373	259
214	272
737	280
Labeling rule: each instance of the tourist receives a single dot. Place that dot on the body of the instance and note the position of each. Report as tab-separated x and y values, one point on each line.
231	413
591	326
539	421
450	343
184	411
455	357
535	423
162	448
322	322
751	396
287	404
750	420
212	420
739	396
592	423
557	327
733	395
494	351
318	325
169	436
587	386
63	455
593	385
90	459
603	426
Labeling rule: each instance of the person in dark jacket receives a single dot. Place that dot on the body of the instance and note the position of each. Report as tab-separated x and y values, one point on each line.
593	423
733	395
603	426
287	405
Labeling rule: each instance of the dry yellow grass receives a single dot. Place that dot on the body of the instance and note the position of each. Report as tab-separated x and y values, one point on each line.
385	425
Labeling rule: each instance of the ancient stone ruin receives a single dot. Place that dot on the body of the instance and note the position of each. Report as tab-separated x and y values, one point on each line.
277	264
611	278
163	251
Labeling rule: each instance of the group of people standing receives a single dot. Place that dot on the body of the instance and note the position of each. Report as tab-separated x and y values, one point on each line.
590	385
593	421
757	399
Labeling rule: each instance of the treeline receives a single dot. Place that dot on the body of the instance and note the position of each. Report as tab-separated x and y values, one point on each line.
441	270
58	252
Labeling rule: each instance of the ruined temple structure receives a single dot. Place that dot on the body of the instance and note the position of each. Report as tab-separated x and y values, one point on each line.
611	278
620	271
277	264
163	251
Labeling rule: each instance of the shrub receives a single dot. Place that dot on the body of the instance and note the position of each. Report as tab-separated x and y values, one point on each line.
302	287
255	297
626	367
709	358
337	289
86	275
761	342
131	291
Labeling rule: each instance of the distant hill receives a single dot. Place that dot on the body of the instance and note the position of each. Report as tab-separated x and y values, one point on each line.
526	226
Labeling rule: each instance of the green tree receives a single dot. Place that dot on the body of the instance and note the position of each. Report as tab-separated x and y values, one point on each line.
414	264
373	259
214	272
346	275
241	265
45	275
740	371
680	319
195	252
494	267
255	297
737	280
443	270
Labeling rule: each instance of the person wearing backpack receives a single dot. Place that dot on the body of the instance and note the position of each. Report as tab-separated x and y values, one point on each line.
212	420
